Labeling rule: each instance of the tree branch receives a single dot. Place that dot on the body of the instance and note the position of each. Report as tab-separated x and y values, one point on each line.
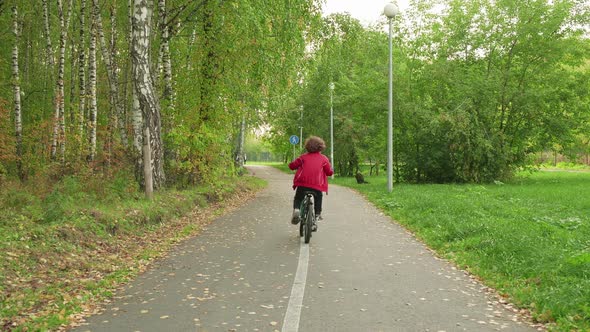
188	18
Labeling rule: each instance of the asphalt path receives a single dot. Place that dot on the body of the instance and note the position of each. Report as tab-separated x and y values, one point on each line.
250	271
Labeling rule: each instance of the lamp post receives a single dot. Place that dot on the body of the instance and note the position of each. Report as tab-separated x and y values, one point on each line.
331	86
390	10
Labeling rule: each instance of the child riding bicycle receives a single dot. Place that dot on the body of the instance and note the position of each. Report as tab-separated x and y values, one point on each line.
313	169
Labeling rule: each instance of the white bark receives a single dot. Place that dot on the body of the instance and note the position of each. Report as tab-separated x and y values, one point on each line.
136	116
92	114
111	72
137	123
59	125
50	61
191	43
82	70
48	46
73	64
121	115
165	52
17	103
135	108
144	87
59	84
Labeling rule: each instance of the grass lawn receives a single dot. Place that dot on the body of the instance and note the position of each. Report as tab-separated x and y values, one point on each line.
529	239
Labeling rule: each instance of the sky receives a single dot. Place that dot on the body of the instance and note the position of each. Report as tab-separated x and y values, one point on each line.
366	11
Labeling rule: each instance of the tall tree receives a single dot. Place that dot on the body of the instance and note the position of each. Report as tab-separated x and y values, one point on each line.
59	124
92	110
166	64
17	101
82	71
112	75
144	86
136	116
47	32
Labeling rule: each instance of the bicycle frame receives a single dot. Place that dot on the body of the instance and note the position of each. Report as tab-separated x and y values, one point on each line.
306	204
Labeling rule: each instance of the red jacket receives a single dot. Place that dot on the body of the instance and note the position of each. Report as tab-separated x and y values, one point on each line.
313	169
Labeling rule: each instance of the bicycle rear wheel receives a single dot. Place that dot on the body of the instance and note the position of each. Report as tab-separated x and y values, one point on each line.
301	222
309	219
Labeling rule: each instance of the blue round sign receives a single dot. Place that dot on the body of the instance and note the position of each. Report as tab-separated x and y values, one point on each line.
294	139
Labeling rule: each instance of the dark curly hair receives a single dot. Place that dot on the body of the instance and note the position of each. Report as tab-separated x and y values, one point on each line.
314	144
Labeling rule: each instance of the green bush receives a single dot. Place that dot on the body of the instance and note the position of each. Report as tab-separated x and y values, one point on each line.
16	203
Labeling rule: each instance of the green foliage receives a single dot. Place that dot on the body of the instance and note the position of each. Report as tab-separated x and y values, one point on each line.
245	58
257	149
478	88
230	61
7	147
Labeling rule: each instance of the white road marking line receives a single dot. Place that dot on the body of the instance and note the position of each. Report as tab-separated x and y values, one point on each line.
291	322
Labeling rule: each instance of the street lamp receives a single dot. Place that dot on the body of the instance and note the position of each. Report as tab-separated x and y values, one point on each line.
390	10
331	86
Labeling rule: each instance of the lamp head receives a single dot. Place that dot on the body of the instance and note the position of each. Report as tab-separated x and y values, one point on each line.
391	10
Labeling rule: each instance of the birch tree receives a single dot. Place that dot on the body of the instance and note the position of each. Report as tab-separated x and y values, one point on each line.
17	102
144	87
121	115
165	55
136	116
59	125
49	59
92	112
82	70
111	72
47	31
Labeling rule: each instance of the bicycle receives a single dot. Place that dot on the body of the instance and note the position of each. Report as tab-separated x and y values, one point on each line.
306	217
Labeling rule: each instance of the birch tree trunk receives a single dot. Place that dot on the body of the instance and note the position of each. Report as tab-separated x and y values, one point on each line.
82	71
136	115
144	87
59	125
28	54
48	46
191	43
121	115
71	108
92	112
165	51
59	96
50	61
17	103
62	120
137	135
111	73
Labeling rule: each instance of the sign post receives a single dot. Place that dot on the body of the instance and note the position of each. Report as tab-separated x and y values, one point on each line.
294	139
